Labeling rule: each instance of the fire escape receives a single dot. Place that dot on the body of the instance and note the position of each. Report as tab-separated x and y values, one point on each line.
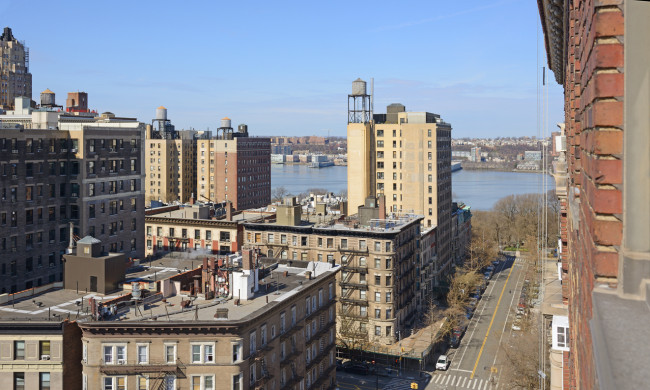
157	371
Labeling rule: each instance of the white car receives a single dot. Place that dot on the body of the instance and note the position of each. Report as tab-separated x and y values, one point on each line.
442	363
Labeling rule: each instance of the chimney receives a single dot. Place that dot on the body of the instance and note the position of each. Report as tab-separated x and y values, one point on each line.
205	263
212	264
71	244
228	210
192	199
247	259
381	204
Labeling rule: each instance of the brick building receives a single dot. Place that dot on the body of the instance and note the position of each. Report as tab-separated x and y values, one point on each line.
40	354
378	257
83	170
599	51
234	167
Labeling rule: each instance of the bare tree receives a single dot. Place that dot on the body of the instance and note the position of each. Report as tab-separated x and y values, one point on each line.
279	193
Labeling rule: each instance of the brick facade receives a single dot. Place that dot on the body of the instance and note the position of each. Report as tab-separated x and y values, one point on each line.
591	220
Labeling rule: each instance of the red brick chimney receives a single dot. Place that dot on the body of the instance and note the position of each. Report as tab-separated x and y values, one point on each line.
247	259
381	204
192	199
229	211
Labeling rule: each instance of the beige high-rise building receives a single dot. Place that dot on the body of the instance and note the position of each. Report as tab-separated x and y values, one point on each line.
15	79
169	162
406	156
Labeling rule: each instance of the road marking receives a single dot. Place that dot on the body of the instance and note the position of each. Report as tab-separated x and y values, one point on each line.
464	380
475	318
458	369
480	352
448	378
453	379
475	382
437	378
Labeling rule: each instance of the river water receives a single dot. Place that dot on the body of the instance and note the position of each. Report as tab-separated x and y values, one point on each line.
478	189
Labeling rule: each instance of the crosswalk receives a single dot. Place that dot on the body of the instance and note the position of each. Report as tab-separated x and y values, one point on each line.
451	381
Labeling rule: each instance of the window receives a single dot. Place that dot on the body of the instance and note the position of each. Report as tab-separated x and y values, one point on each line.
19	350
377	297
253	342
114	354
377	330
44	381
143	354
203	353
388	264
388	297
362	245
388	280
377	280
170	353
143	383
378	313
115	383
44	348
236	352
202	382
389	314
19	381
236	381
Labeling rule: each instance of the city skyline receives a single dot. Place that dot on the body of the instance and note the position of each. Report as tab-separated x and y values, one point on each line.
308	58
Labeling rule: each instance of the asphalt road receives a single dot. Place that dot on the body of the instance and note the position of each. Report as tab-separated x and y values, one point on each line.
475	363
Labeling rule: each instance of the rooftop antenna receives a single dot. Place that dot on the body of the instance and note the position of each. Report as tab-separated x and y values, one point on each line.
372	97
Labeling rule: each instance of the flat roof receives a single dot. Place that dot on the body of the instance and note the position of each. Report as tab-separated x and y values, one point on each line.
273	290
285	279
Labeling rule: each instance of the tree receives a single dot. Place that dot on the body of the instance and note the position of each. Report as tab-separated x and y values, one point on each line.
521	365
279	193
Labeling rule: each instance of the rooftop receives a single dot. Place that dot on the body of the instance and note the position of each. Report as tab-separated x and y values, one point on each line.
394	223
279	280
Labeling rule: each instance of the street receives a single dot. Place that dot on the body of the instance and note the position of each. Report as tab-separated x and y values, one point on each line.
475	364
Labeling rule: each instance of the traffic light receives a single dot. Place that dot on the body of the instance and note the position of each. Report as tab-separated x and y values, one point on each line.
414	385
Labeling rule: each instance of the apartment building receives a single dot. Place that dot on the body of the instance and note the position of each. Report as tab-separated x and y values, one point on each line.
275	333
40	355
85	172
406	156
377	254
196	227
170	162
234	167
598	51
15	79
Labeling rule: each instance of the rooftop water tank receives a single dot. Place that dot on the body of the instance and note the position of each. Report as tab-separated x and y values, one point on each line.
161	113
47	98
225	122
358	87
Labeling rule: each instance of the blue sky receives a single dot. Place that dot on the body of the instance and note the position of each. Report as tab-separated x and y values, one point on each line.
286	67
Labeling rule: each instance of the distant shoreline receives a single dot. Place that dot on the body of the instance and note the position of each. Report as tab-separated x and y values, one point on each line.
502	170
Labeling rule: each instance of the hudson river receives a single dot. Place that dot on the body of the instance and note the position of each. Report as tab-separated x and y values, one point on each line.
478	189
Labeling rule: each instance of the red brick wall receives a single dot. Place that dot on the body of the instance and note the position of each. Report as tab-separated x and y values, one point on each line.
594	125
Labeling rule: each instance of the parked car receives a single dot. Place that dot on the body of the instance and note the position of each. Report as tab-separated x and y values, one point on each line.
495	262
442	363
339	365
516	324
357	368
